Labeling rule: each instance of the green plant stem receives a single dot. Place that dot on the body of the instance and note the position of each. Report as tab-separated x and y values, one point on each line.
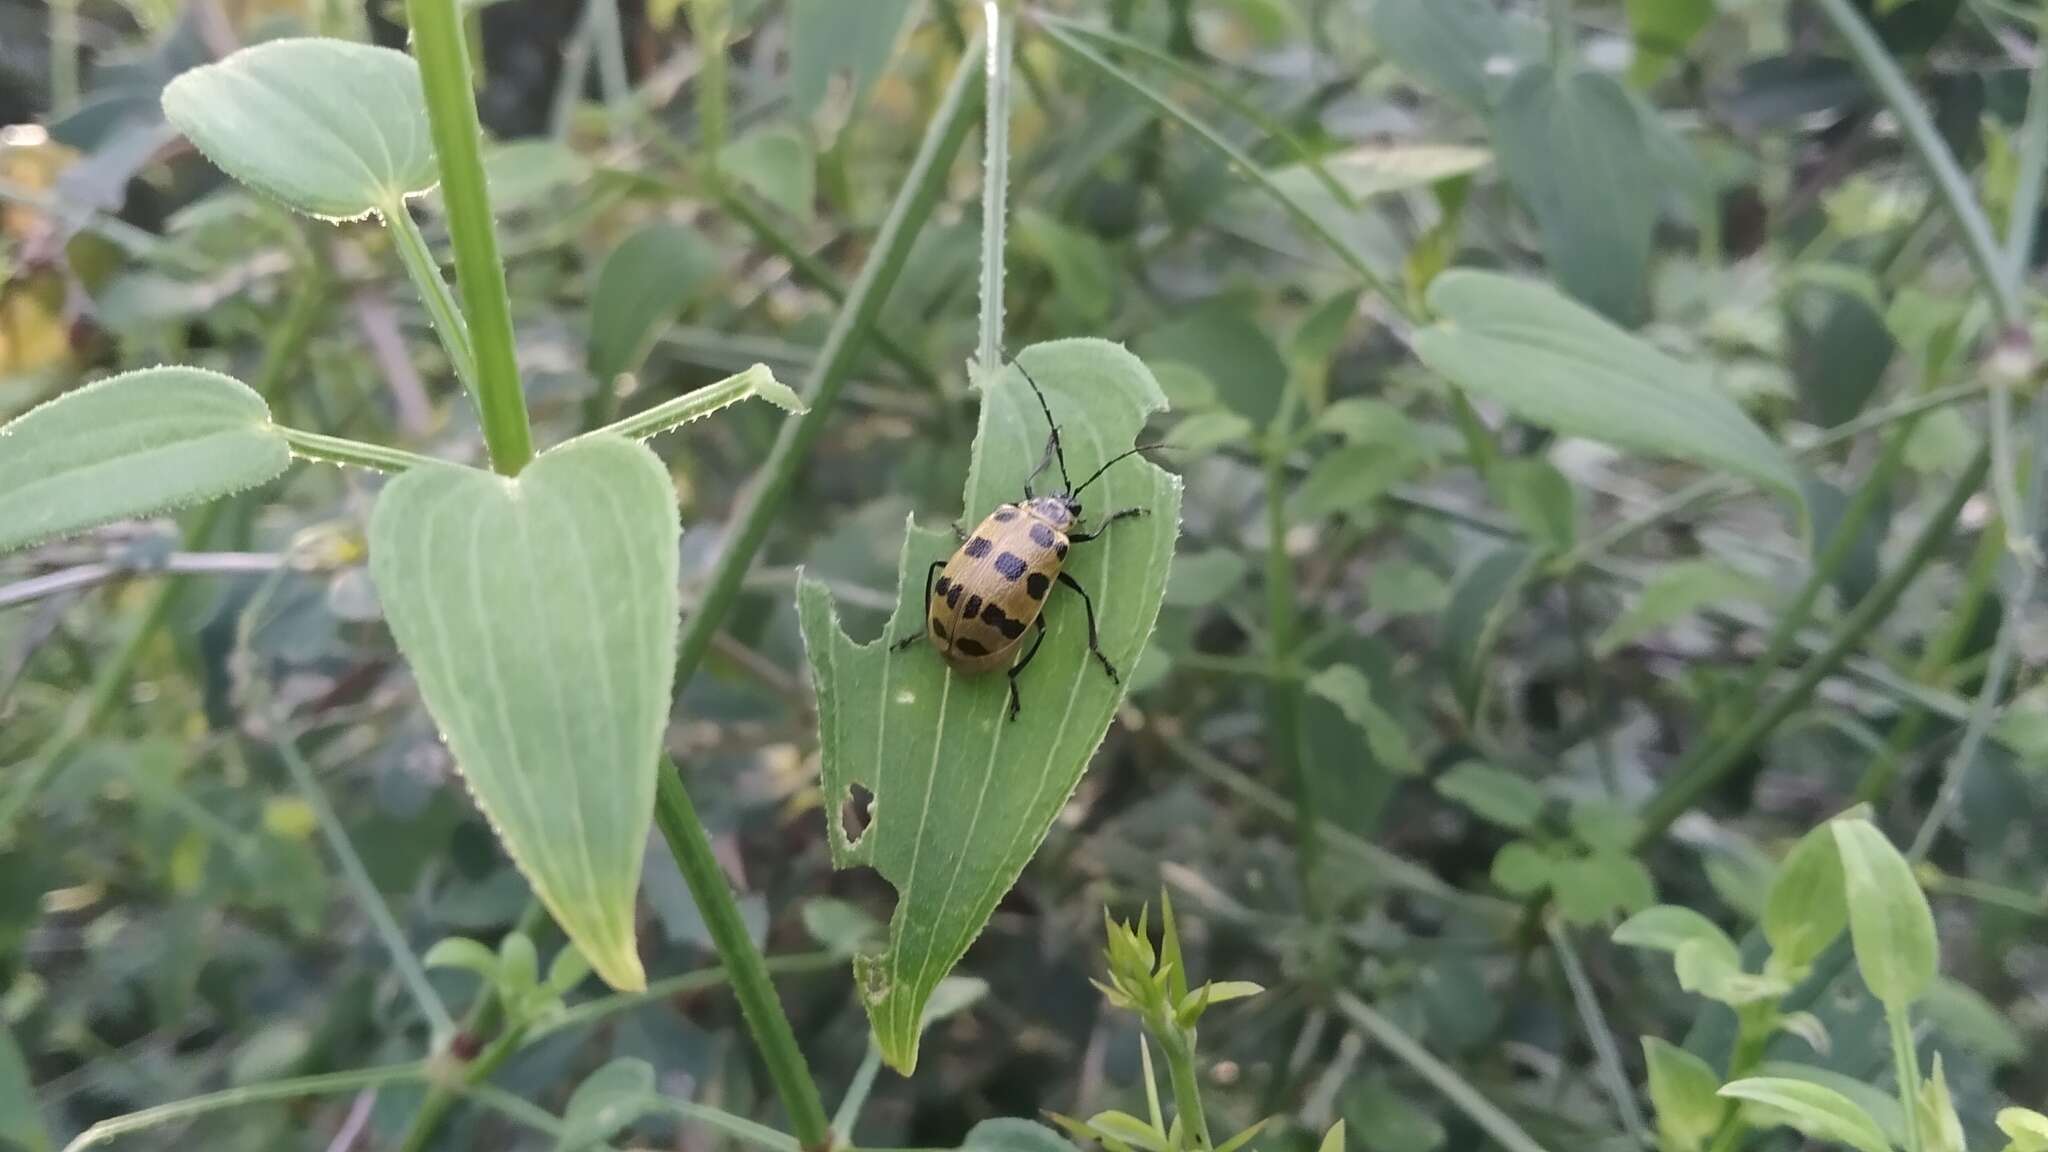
1699	772
352	453
281	357
1179	1049
63	56
1445	1079
358	878
608	42
818	275
773	1037
1906	1066
1951	183
777	475
425	272
1607	1054
694	405
857	1092
2033	162
451	112
444	1090
1712	489
1753	1024
1251	168
1000	42
330	1084
1201	78
1560	33
1284	692
711	22
1835	552
1390	869
1878	778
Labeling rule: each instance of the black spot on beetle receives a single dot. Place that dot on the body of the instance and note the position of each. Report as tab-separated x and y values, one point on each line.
1010	565
1060	549
973	608
1041	535
953	596
996	618
942	587
1005	514
972	646
939	630
977	547
1038	584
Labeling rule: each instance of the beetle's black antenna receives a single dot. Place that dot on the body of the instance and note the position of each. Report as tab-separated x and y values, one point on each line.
1057	450
1117	457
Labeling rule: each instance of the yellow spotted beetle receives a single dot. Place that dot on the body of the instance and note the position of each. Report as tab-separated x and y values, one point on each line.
994	586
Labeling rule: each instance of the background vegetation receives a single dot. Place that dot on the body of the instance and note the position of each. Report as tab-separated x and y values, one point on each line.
1609	458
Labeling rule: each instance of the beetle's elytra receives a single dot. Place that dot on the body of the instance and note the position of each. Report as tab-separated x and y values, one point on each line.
979	602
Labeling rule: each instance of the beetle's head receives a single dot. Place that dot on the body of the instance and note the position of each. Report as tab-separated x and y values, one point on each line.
1058	511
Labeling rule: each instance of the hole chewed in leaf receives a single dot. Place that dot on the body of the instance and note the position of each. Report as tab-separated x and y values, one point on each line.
969	792
856	813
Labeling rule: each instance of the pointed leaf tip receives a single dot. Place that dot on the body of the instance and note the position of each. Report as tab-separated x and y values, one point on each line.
539	616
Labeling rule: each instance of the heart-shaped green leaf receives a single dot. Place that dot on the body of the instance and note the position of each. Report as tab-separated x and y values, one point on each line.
330	128
132	445
539	616
962	796
1556	363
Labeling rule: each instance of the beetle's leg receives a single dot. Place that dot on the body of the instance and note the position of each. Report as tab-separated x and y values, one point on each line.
1126	514
1052	443
1094	641
1019	666
925	621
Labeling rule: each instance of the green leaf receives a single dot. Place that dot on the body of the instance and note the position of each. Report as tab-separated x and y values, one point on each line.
1351	692
1676	592
1009	1134
2026	1128
330	128
1806	908
1370	170
1494	795
21	1122
1350	480
1547	360
1877	1103
776	162
567	970
1129	1129
1889	920
539	615
1669	927
844	929
1447	44
1662	29
644	284
464	953
1965	1016
1572	147
1540	499
1204	432
831	38
1224	991
132	445
1821	1113
608	1100
1202	578
962	796
1221	340
1333	1140
1521	868
1682	1089
1593	887
1941	1129
1482	594
1084	274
